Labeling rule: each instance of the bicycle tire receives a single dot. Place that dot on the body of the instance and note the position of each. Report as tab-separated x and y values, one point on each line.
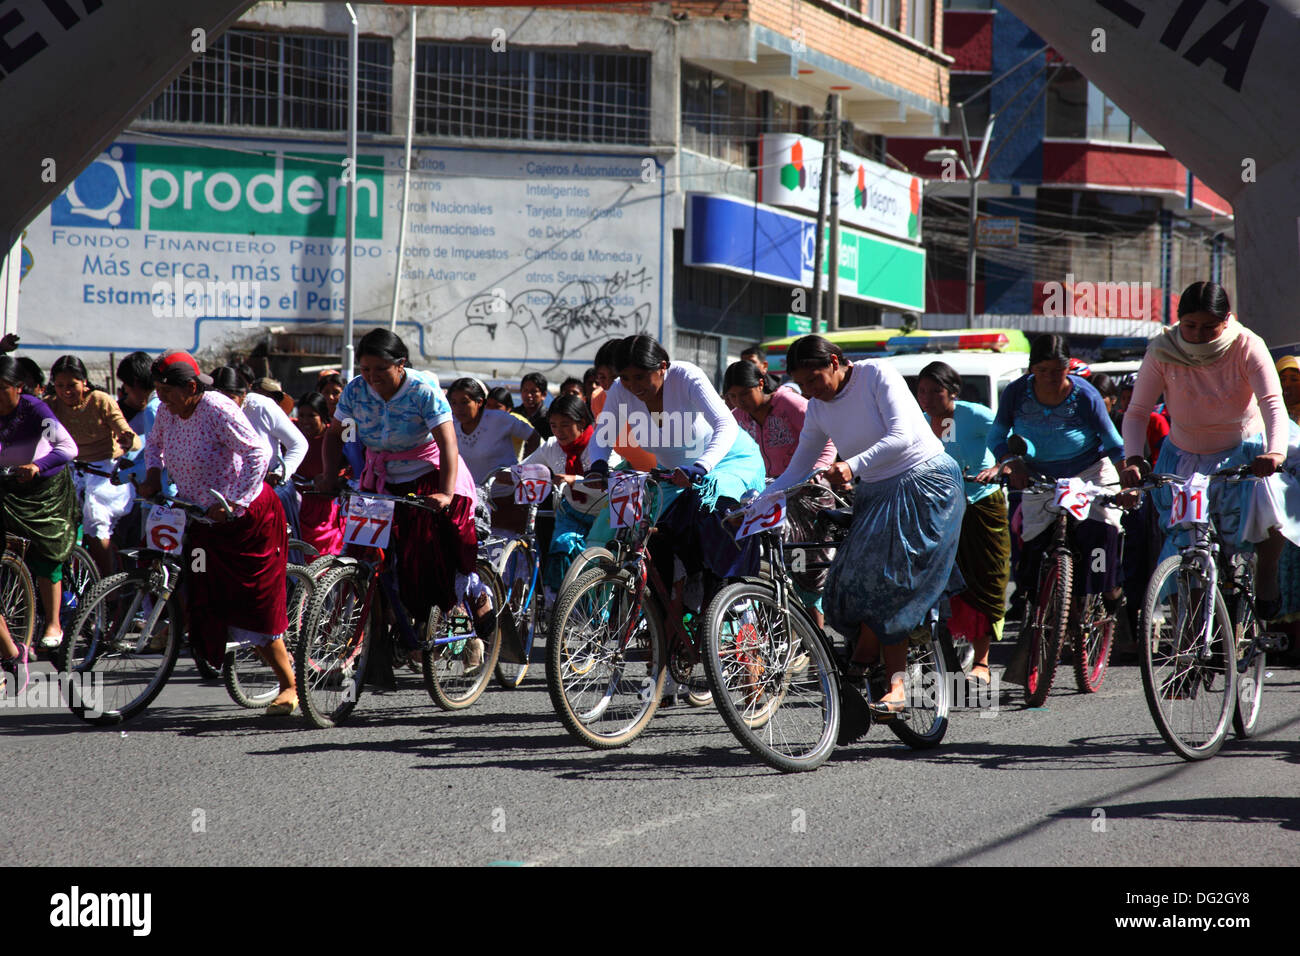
334	645
18	598
1093	642
516	581
450	682
1189	681
306	553
588	559
106	642
774	679
928	689
249	681
206	670
1251	665
80	575
1048	623
605	696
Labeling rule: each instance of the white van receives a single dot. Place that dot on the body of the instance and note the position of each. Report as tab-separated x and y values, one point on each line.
984	374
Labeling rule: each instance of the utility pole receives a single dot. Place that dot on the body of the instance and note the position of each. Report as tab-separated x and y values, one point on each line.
833	286
348	366
823	202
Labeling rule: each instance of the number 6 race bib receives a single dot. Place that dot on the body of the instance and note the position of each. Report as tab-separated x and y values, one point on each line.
1191	499
532	483
1074	495
369	522
762	514
626	499
164	530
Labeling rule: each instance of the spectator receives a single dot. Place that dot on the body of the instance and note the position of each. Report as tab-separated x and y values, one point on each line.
532	394
571	386
755	354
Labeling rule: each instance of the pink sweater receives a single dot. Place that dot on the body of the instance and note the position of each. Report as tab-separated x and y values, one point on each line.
778	436
1211	407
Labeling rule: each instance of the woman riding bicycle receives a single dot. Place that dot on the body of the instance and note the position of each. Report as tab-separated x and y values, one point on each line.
1226	408
39	502
774	418
673	412
984	550
1064	421
403	421
485	436
606	375
898	560
102	434
568	454
207	446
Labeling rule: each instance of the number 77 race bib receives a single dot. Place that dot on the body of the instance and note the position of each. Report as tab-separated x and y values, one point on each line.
369	523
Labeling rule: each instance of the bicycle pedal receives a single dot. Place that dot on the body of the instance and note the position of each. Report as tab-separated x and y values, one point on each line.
1272	641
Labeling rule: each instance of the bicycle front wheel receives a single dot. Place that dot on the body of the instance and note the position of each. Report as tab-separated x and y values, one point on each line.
457	662
1190	678
249	680
773	678
334	645
1250	675
1048	624
120	650
80	575
928	690
18	598
605	659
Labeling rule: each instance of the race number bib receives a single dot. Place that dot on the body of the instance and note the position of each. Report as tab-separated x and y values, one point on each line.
626	499
764	513
369	522
164	530
1074	495
1191	501
532	483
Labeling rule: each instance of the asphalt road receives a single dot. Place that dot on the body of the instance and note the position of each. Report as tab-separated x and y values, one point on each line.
196	780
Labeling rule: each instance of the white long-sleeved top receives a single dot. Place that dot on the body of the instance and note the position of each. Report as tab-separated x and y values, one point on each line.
876	425
696	426
276	429
551	454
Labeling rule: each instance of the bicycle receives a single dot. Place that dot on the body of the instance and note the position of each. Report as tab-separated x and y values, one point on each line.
353	597
128	633
778	678
1202	660
1062	609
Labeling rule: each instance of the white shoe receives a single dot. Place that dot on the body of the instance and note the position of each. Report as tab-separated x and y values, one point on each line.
51	641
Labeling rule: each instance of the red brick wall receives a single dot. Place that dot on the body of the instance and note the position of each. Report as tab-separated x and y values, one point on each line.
968	37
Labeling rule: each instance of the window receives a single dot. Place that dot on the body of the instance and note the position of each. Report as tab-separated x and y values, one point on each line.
884	12
721	117
1105	120
961	87
568	96
919	13
291	81
1067	103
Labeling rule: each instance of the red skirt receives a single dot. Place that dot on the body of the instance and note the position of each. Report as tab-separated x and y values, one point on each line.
242	578
432	548
320	522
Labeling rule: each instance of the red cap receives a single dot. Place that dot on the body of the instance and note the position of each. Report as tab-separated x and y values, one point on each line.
177	368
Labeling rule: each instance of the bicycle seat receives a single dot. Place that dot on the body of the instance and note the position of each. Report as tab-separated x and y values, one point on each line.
840	517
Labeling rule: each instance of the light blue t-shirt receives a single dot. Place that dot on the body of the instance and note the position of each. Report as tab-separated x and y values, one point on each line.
403	422
142	423
966	441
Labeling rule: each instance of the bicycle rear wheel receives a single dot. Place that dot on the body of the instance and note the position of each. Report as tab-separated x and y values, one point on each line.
334	645
605	659
927	686
1092	644
80	575
18	598
121	649
249	681
1048	623
1250	678
456	671
1191	689
773	677
516	566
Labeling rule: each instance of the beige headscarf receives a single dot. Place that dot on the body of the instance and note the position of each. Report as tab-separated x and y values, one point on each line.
1169	346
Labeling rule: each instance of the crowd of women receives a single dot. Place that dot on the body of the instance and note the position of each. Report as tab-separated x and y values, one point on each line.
926	470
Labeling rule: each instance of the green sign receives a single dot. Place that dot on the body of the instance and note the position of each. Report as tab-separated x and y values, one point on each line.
780	326
889	273
183	189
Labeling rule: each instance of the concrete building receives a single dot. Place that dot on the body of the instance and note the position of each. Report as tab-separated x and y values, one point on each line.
578	173
1092	228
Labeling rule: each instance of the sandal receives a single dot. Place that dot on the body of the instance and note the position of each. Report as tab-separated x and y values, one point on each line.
887	709
284	705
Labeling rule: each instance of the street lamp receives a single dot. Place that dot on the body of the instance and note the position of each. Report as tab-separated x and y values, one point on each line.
974	169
